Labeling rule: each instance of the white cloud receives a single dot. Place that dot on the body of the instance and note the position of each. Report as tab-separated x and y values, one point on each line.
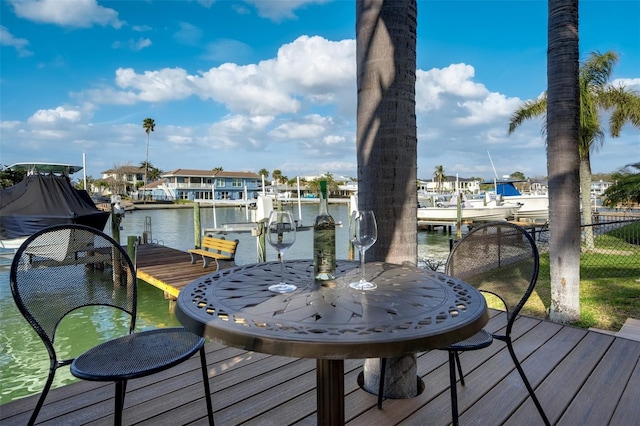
20	44
188	34
156	86
132	44
310	127
280	10
310	68
224	49
493	106
455	80
55	116
141	28
629	83
67	13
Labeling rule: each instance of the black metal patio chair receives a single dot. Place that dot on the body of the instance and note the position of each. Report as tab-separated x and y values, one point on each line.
500	259
68	269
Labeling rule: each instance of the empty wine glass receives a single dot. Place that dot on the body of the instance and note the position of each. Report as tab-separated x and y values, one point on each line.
363	232
281	234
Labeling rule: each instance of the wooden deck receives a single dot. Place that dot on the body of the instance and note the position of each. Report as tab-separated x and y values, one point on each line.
167	268
581	377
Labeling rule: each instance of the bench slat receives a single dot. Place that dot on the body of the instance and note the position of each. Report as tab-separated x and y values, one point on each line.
224	250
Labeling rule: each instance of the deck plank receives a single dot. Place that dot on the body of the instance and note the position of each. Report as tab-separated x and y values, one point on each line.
582	377
601	392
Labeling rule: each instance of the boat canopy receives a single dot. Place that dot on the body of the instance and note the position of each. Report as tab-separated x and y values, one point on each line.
505	187
40	201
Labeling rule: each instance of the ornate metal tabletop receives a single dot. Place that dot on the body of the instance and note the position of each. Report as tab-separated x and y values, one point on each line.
411	310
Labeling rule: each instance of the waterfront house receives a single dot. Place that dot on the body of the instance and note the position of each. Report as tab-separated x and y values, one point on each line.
448	185
205	185
121	180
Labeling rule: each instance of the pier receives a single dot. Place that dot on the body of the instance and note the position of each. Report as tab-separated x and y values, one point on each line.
167	269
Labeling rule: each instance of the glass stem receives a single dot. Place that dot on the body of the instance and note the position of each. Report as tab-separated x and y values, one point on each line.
362	279
281	268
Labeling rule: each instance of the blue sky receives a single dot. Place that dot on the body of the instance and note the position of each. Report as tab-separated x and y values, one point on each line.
246	85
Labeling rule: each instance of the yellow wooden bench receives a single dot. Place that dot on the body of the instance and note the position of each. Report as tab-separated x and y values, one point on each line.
222	251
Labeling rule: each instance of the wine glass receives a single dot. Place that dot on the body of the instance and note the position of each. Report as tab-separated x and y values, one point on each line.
281	234
363	232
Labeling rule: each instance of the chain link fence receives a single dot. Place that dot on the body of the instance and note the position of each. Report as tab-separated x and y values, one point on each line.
610	246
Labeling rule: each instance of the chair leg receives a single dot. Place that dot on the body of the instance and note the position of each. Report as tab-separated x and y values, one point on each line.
454	391
43	395
121	390
460	373
205	380
383	369
527	384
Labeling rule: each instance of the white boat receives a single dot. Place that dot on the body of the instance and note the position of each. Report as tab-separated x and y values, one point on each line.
533	207
474	214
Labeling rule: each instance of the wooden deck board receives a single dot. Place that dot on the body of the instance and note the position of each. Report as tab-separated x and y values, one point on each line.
581	377
168	269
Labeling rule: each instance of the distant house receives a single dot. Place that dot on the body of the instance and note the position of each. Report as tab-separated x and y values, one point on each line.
449	185
598	188
203	185
123	180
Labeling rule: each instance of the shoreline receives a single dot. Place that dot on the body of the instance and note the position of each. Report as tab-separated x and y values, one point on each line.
139	205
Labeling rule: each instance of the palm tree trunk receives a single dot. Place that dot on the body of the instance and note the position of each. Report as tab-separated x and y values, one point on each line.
563	159
585	194
386	144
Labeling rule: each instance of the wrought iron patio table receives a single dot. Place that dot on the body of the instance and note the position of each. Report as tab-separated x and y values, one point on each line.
412	310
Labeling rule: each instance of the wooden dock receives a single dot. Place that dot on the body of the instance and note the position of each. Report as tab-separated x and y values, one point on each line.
581	378
168	269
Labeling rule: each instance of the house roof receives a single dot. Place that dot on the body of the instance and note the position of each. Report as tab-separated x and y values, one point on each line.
210	173
125	170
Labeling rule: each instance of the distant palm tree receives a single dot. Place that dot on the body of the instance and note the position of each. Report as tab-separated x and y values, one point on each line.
218	169
626	189
264	172
154	173
439	176
595	93
149	125
276	175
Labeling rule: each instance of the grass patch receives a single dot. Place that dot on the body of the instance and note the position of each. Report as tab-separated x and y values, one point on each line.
609	280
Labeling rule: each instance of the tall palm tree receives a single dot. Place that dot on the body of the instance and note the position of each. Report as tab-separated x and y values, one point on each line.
595	94
386	140
563	158
149	125
438	175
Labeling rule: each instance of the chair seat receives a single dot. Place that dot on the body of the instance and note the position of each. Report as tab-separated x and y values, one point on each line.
136	355
481	339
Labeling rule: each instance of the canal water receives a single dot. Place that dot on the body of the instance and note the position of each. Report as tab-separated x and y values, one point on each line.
24	362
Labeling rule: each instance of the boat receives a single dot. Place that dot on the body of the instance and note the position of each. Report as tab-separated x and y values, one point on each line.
533	206
45	197
468	212
471	214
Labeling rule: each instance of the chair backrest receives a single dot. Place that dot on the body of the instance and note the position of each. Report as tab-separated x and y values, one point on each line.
64	268
499	258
